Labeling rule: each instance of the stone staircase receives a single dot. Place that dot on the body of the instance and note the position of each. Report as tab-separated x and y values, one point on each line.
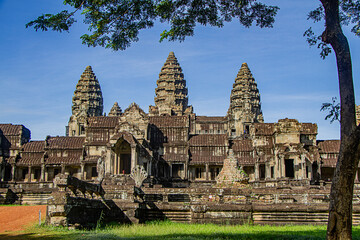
35	198
174	216
290	218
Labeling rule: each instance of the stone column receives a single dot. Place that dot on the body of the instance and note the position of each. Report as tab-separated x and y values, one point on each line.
282	167
256	171
42	176
82	167
303	161
2	171
108	161
170	168
207	171
186	174
116	164
46	174
29	174
63	169
133	157
267	171
149	168
13	171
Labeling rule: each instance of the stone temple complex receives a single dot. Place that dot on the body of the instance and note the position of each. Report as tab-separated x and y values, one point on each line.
173	144
175	149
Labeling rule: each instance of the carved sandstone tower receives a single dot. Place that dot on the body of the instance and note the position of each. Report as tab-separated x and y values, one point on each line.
245	105
115	110
171	92
87	102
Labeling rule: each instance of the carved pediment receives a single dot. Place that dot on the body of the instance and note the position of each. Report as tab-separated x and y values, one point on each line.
134	120
130	128
134	112
124	136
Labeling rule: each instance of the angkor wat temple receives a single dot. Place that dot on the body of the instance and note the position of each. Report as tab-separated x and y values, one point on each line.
175	146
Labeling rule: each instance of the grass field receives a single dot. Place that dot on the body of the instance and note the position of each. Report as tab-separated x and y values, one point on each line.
168	230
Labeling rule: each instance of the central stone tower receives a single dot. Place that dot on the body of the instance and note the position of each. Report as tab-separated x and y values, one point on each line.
171	92
245	105
87	102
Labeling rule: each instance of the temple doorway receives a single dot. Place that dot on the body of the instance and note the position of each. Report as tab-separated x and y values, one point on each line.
289	168
122	163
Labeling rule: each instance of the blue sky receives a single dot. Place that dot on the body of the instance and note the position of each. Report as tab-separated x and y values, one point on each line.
39	70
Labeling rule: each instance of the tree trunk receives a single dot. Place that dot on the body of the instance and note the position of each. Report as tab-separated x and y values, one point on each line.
341	195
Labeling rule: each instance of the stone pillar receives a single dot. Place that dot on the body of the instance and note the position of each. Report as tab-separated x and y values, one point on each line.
82	167
256	171
46	174
42	176
170	167
63	169
207	171
13	172
267	171
149	168
108	161
2	171
133	157
303	165
29	174
116	164
186	174
282	167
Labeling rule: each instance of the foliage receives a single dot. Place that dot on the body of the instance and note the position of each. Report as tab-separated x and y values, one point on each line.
334	110
349	14
115	24
169	230
99	222
242	172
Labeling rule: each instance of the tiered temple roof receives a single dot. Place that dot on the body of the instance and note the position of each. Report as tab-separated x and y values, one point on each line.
115	110
245	97
87	95
171	92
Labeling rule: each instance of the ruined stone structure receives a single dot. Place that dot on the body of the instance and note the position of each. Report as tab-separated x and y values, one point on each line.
77	203
176	147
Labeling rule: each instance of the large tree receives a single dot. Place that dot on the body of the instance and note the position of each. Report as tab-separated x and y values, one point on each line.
337	13
116	23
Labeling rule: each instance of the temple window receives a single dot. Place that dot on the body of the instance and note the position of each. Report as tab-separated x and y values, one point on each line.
199	172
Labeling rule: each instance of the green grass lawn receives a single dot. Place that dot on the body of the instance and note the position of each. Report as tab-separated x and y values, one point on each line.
168	230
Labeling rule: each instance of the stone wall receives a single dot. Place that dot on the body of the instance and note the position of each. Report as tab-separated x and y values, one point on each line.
75	204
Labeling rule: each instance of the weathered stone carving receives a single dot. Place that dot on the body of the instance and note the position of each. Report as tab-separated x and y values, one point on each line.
101	168
139	174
